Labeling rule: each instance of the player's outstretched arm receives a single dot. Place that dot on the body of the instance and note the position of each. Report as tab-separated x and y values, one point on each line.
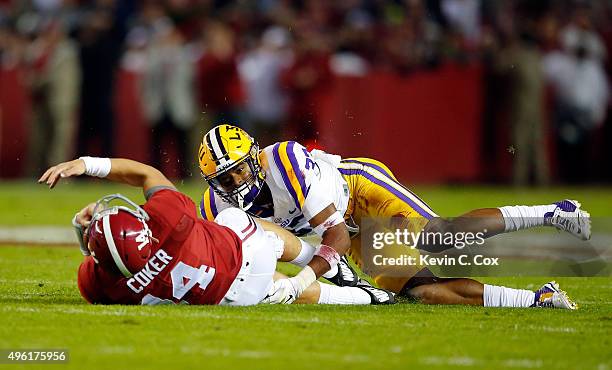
121	170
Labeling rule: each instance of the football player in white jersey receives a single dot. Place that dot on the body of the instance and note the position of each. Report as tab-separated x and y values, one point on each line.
318	193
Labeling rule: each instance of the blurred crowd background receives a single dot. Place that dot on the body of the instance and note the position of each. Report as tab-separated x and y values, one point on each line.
148	78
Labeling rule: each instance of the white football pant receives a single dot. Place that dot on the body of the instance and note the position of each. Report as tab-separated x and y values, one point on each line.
260	250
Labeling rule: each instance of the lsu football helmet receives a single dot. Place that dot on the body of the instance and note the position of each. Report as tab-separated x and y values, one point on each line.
119	237
223	149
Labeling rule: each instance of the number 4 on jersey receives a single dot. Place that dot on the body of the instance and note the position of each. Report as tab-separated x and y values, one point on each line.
185	277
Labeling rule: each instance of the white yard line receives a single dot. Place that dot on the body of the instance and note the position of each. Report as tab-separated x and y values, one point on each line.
37	235
452	361
538	245
36	282
523	363
464	361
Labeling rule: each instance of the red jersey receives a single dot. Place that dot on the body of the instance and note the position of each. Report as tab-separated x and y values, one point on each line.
195	260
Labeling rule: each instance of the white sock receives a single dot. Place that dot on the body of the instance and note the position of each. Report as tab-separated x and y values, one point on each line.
306	254
525	217
331	294
500	296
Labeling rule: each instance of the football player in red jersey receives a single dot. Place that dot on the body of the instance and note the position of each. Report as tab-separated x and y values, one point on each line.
162	253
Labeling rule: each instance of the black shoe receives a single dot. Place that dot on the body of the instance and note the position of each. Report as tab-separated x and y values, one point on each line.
378	295
346	276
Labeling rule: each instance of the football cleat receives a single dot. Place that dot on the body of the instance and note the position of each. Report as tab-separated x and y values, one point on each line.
362	282
569	217
378	295
550	296
345	276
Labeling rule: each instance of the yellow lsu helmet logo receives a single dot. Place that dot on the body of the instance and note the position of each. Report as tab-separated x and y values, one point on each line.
222	147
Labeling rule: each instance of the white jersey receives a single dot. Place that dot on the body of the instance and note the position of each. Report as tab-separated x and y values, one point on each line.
301	185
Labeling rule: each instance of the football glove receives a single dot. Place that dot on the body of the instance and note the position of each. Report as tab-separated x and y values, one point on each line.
286	291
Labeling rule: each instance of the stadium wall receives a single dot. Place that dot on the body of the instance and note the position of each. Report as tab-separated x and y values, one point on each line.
426	126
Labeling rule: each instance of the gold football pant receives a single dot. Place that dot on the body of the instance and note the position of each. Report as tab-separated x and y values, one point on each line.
375	193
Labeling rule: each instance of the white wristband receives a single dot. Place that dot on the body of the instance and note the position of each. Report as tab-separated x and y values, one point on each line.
333	220
98	167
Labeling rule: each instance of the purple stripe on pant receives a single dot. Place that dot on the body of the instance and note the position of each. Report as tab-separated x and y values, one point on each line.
389	188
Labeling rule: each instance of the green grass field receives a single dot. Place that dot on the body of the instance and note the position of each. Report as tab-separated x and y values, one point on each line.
40	307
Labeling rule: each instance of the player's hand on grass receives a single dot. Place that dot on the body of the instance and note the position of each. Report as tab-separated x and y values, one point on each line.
65	169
